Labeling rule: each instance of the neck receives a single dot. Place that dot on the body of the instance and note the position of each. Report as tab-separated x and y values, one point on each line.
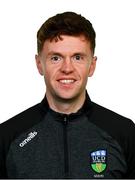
65	106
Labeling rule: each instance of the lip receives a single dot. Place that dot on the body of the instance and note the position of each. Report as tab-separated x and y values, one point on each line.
66	78
67	82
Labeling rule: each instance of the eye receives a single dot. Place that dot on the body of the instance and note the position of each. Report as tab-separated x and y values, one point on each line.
56	58
77	57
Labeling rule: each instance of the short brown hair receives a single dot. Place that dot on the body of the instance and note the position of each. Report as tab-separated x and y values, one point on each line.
67	23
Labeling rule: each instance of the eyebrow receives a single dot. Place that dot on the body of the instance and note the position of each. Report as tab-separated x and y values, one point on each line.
54	53
59	54
79	53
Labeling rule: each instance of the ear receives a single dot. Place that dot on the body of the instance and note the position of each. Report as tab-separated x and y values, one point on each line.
39	64
92	66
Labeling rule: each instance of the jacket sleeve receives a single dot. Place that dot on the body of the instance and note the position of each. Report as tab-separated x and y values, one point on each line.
2	156
130	151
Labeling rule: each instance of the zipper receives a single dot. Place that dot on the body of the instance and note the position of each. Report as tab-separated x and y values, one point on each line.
66	159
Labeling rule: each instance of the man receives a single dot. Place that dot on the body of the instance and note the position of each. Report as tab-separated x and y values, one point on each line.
67	135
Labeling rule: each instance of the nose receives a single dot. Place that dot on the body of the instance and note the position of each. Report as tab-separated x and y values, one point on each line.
67	66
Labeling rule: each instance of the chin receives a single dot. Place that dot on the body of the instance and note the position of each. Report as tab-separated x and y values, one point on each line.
67	96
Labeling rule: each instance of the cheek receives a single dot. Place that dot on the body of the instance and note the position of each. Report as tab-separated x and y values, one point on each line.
83	71
47	69
50	72
47	77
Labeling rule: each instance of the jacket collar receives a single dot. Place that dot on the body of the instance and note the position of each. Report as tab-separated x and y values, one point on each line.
86	108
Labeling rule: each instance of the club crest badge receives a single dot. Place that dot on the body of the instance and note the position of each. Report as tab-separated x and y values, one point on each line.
98	160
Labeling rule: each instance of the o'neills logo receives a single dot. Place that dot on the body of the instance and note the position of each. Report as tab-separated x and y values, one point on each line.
29	138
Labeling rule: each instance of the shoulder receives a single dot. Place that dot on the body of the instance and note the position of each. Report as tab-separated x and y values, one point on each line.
16	125
119	127
109	117
21	119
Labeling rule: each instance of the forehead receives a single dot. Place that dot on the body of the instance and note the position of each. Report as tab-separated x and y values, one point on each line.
66	44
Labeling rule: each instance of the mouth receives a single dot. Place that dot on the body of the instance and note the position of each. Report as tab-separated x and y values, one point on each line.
66	81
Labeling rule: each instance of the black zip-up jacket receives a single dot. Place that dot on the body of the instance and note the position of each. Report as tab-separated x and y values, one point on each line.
92	143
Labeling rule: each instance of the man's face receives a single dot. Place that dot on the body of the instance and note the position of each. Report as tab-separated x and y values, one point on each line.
66	65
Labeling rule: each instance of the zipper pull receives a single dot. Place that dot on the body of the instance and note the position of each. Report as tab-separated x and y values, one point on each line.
65	120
